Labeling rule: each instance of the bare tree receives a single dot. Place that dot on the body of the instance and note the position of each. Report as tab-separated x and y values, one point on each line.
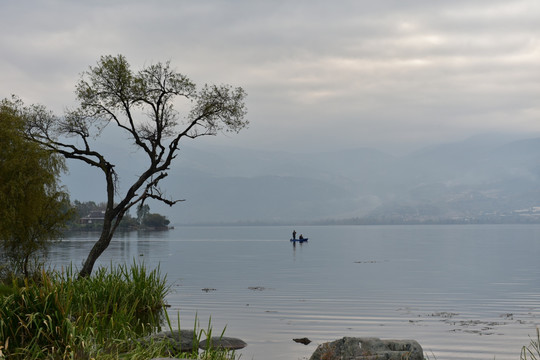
142	105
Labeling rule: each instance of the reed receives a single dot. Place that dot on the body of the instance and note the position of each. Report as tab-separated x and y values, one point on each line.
34	322
57	315
117	299
533	350
210	352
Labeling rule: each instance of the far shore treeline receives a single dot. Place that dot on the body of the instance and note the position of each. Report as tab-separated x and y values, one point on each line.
89	216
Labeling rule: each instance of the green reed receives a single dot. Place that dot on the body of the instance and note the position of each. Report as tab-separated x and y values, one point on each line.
56	315
533	350
61	316
210	352
34	322
118	299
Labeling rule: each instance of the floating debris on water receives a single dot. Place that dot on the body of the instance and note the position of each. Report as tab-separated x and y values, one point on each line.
257	288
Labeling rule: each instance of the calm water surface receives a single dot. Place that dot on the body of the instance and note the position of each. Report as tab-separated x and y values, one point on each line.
463	292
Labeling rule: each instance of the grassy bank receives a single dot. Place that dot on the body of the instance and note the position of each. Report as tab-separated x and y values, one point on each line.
55	315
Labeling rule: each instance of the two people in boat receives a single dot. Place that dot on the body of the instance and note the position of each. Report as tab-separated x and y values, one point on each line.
301	237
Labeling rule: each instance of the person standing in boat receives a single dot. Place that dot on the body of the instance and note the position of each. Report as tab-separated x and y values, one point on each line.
294	234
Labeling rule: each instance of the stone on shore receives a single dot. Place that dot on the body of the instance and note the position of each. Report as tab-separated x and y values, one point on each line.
183	341
368	349
219	342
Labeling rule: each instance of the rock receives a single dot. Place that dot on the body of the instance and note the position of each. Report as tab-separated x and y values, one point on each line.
179	340
223	343
183	341
368	349
304	341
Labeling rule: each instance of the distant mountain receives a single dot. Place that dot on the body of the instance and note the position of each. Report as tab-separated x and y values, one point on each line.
481	175
470	179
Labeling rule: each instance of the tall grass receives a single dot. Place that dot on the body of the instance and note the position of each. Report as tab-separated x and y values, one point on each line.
58	315
117	299
34	322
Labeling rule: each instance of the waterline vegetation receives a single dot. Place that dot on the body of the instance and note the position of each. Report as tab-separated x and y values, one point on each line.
58	315
532	351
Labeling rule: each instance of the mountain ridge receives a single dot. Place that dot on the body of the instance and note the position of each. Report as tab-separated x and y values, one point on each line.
471	178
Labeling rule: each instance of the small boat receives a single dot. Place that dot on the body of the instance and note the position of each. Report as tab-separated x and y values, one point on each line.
299	240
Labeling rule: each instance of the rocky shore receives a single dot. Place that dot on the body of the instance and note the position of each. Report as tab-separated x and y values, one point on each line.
353	348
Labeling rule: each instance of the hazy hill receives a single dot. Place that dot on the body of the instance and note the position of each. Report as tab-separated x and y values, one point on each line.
484	174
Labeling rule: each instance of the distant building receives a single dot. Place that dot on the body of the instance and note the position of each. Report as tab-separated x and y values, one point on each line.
95	217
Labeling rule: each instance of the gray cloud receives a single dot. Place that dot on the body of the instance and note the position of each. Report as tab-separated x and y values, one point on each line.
327	74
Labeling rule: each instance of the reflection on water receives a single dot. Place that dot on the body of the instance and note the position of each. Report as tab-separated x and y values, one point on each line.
464	292
125	246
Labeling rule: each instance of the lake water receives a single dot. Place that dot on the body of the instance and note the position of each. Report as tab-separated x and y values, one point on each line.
463	292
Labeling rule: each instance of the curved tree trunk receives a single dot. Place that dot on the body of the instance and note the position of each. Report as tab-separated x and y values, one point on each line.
98	248
109	225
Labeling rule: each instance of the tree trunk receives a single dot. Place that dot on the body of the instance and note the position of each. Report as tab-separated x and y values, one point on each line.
98	248
25	266
107	231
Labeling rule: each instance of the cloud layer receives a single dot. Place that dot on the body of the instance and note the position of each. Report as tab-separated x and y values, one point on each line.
319	74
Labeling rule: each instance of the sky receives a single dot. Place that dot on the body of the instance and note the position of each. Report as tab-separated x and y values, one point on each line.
320	75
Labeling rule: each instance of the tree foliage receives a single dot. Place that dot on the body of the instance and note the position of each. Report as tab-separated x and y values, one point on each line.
33	207
82	210
155	221
141	104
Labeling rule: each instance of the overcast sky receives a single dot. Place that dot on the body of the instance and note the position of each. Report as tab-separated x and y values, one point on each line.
319	74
